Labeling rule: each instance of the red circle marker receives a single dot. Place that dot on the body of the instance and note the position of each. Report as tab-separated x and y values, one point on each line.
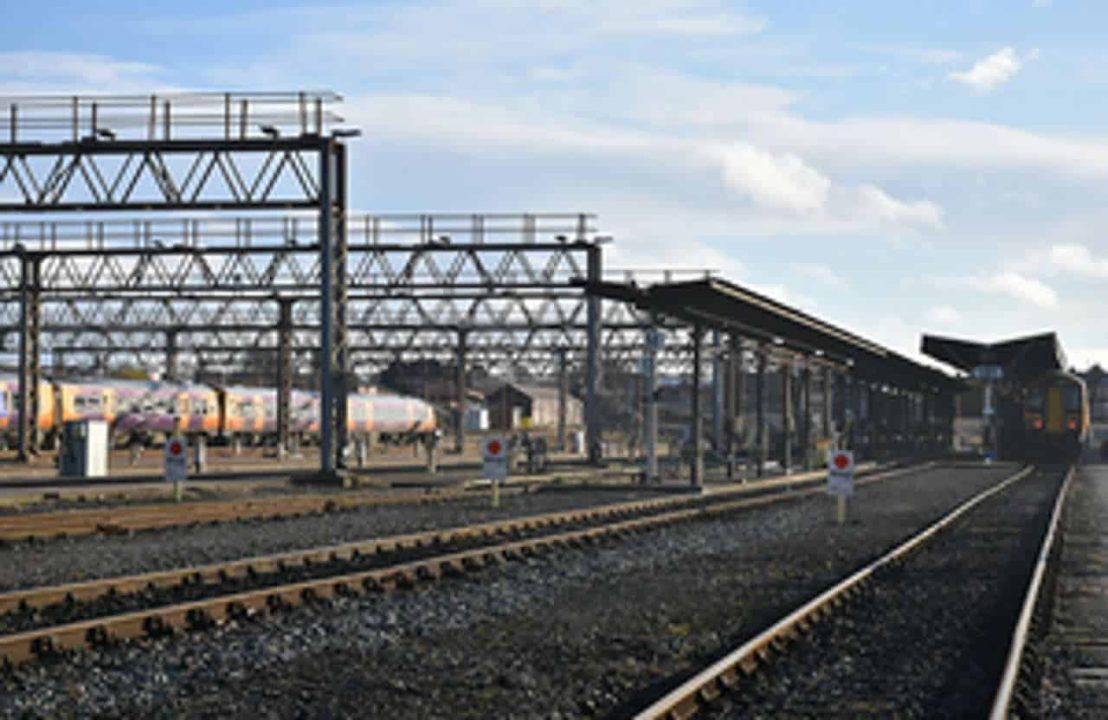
841	461
494	447
174	448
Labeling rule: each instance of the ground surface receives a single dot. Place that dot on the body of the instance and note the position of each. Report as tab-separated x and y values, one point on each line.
570	634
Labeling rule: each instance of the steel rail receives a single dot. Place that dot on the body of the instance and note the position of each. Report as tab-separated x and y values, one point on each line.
37	597
686	700
148	516
28	645
1006	691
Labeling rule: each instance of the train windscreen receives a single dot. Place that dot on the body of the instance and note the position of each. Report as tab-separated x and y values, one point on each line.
1071	398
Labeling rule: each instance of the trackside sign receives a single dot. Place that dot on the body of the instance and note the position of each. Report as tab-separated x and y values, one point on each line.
840	473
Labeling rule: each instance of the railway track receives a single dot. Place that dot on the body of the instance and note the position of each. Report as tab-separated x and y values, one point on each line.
128	518
46	620
920	631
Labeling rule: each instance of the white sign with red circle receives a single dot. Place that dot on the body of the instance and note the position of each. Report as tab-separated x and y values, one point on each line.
840	472
494	451
176	459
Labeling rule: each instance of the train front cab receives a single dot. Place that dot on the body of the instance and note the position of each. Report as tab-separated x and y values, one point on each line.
1056	418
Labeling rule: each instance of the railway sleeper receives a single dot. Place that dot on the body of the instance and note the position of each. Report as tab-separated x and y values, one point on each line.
428	572
344	589
156	626
403	579
199	619
729	679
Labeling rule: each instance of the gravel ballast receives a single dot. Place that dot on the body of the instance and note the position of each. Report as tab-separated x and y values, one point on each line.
64	560
569	634
1069	676
929	637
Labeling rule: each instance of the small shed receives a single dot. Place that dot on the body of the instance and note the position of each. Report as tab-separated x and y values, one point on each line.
514	406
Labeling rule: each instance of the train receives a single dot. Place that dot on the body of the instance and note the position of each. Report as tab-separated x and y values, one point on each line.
143	412
1055	416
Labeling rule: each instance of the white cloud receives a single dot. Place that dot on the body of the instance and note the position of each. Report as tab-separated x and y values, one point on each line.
820	274
1020	287
781	181
878	206
943	315
1077	259
994	70
57	71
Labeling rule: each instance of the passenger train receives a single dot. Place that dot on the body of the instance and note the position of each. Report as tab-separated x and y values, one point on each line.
142	411
1055	416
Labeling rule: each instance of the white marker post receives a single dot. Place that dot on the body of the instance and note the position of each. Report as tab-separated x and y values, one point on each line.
176	464
494	451
840	479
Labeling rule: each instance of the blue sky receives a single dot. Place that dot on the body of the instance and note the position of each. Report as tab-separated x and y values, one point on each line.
894	167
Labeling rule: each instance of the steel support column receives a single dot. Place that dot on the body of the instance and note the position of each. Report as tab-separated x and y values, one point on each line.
729	405
760	435
827	376
563	397
343	376
171	352
327	445
594	273
717	391
787	419
650	402
460	367
284	375
871	404
30	371
696	464
806	418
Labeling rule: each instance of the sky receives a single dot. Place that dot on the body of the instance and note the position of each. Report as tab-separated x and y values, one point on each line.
895	168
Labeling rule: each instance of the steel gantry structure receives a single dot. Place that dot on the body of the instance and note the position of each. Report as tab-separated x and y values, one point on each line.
238	240
493	289
150	155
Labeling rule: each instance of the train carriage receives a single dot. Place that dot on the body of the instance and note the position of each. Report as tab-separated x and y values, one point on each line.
45	414
143	411
1056	416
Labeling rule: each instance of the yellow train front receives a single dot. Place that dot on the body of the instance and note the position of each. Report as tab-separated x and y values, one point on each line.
1055	417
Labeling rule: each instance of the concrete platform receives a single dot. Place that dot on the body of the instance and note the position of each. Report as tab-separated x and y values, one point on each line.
1075	648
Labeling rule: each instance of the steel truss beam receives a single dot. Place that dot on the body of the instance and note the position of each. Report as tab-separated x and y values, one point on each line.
412	282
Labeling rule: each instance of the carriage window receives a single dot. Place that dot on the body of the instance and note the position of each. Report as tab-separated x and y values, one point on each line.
1071	397
1035	398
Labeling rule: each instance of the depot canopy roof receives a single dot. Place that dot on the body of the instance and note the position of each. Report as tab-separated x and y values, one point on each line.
1020	358
718	304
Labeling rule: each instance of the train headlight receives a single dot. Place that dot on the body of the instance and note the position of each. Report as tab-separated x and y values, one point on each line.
1072	424
1037	423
